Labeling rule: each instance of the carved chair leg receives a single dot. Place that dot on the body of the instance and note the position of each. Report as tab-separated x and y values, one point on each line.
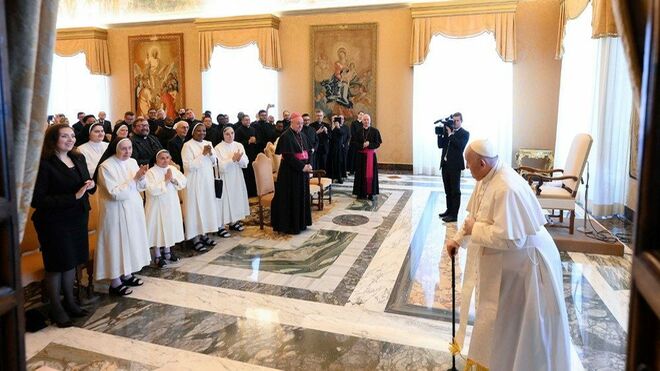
90	278
571	223
561	216
330	194
261	216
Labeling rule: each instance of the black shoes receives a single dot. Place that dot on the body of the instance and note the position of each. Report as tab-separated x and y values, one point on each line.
442	215
449	219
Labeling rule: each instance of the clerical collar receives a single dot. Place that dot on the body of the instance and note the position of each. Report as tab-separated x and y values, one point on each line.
492	172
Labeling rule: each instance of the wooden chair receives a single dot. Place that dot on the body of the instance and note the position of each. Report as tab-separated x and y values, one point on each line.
32	264
92	231
559	192
263	175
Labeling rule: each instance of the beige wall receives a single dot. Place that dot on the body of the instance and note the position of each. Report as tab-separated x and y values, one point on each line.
535	73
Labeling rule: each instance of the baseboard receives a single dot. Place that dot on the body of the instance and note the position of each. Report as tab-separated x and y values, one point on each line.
395	167
629	213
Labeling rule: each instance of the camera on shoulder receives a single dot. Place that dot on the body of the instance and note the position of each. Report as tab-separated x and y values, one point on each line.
442	123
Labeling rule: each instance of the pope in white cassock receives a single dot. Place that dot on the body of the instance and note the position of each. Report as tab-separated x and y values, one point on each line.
234	204
520	320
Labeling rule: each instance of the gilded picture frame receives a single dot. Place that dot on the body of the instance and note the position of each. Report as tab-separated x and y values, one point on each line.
157	73
343	67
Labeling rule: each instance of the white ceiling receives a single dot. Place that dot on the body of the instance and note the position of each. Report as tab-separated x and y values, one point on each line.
100	13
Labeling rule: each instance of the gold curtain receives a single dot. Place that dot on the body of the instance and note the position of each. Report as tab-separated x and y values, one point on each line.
602	20
463	19
91	41
240	31
30	40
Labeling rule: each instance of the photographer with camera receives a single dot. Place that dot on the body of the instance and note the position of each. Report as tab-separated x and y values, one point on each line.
452	139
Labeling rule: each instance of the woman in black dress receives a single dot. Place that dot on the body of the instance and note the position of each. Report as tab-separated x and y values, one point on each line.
60	218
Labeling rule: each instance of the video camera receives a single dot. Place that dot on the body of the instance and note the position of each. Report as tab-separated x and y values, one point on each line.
445	122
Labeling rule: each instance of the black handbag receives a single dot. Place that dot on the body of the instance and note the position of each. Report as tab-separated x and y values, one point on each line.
217	182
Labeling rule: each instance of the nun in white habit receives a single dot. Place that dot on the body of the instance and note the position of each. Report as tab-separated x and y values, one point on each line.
199	206
122	246
95	147
234	204
163	209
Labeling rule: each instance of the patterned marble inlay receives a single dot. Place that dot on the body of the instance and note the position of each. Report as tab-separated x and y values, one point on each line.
350	220
311	259
257	342
369	205
599	339
615	270
339	296
61	357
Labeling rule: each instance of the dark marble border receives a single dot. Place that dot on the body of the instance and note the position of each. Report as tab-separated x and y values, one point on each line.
338	297
399	168
256	342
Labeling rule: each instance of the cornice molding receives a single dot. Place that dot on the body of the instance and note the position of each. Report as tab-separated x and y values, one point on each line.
463	7
237	23
82	33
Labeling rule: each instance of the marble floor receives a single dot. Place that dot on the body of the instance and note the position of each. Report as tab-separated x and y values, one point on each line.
367	287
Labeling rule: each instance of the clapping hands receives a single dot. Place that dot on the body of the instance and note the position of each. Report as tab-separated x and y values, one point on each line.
237	156
140	173
89	184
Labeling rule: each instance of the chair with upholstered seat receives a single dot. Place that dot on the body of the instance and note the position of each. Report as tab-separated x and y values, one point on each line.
559	192
263	175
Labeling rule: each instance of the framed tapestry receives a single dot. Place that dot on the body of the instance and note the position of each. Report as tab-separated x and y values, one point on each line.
343	65
156	72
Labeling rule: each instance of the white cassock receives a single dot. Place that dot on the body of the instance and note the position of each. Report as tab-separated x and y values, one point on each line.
199	205
163	209
234	204
520	320
93	152
122	246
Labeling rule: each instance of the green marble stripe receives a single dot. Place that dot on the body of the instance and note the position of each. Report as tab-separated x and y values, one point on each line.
312	259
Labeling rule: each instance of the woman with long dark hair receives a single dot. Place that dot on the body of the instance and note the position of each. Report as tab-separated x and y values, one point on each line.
61	204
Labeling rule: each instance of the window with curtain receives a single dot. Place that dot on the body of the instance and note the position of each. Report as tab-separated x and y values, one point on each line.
237	82
467	76
73	89
595	97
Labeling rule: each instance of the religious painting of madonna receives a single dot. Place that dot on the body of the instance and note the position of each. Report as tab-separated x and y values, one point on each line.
156	68
343	65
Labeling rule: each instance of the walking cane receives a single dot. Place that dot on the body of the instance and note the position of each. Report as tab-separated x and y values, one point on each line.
453	311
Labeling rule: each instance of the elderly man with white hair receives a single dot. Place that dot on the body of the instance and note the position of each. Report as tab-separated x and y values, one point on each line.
520	321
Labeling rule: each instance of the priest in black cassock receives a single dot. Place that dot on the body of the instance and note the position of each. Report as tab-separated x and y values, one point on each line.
367	140
352	149
265	131
175	145
291	209
310	134
247	136
335	169
145	145
322	130
213	133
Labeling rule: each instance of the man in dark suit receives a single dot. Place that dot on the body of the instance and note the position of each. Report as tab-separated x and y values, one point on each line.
453	142
79	125
107	126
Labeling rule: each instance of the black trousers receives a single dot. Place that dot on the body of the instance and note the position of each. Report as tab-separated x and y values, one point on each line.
452	181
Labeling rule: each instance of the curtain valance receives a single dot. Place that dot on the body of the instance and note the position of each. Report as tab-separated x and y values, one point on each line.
240	31
91	41
602	19
464	19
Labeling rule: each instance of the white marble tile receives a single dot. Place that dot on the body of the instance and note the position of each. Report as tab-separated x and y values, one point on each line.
374	289
161	357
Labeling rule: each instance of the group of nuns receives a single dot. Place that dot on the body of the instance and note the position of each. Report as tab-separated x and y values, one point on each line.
130	223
